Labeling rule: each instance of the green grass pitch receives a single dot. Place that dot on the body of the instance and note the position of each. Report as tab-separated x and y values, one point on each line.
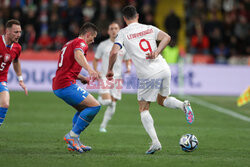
32	135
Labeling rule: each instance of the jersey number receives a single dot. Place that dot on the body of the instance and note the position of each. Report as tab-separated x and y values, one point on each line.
2	66
62	54
145	45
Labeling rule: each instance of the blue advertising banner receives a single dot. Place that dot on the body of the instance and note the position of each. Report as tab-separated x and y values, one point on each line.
189	79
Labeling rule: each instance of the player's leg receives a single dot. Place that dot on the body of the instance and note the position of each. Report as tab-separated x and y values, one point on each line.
4	101
108	115
70	148
165	100
104	92
105	99
110	111
145	95
88	108
148	124
85	104
172	102
75	118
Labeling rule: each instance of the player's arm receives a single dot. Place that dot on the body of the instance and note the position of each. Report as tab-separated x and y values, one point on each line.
95	64
112	59
17	69
164	39
82	61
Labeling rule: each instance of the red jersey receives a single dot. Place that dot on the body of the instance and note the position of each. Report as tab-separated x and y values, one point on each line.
68	68
7	55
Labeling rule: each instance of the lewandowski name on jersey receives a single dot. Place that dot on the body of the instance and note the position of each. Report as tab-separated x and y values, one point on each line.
135	35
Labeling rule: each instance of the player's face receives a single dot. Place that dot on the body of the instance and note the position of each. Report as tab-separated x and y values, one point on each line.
14	32
113	30
90	37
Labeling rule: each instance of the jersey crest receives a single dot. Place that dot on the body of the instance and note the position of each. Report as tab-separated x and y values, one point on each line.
82	44
6	58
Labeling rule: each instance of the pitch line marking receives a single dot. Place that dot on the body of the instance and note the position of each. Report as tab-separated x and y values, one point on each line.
219	109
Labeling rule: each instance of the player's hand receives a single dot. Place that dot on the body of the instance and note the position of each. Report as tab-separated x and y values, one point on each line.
93	75
21	83
85	80
99	73
151	55
110	75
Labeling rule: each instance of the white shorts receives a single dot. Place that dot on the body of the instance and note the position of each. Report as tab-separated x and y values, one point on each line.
114	88
148	89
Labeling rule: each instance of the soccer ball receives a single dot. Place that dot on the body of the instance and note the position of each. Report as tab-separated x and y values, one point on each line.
188	142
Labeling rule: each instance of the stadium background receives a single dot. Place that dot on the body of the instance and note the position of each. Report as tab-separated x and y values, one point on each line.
213	35
219	65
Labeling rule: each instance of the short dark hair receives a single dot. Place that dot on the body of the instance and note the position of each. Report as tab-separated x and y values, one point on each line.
11	22
114	22
87	27
129	12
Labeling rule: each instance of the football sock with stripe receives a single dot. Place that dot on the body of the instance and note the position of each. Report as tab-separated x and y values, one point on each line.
84	119
3	112
75	118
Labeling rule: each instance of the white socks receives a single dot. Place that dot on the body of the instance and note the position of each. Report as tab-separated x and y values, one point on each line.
148	124
108	114
73	134
172	102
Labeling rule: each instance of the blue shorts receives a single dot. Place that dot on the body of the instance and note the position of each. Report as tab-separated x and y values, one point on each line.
3	87
73	94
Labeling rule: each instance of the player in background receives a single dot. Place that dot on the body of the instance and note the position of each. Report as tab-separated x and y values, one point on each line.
109	96
72	60
10	51
139	41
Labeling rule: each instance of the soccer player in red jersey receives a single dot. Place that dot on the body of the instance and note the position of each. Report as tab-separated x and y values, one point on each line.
9	52
72	60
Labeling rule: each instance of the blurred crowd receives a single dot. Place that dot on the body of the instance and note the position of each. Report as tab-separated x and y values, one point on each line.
216	27
48	24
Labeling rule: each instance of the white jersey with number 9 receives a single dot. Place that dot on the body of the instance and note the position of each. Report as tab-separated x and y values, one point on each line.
139	40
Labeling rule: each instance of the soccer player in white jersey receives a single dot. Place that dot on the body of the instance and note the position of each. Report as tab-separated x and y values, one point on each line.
139	41
109	96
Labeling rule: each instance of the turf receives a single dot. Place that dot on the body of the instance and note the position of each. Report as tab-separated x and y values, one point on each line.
32	135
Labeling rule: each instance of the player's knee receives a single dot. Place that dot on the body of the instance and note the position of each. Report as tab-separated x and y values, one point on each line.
95	103
5	105
160	100
98	104
143	108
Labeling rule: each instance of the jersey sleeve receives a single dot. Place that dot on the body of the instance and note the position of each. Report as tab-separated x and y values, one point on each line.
18	50
119	39
99	51
156	31
80	45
